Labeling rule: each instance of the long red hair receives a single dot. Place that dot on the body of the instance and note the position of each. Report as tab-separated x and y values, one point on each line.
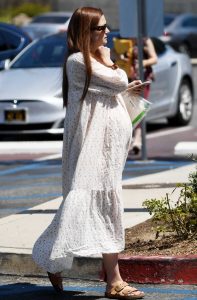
78	39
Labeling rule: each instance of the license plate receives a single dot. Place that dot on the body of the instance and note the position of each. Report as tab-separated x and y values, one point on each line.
15	115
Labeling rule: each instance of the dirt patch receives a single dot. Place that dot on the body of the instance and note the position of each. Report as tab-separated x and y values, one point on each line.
141	240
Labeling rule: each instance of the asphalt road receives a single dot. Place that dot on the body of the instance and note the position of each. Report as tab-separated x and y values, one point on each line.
21	288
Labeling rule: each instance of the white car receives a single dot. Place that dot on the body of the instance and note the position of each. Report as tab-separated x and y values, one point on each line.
30	89
47	23
172	91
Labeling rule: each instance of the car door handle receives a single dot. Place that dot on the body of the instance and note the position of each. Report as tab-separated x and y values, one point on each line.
174	63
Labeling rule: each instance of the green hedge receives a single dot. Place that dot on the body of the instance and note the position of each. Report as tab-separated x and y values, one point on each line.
30	9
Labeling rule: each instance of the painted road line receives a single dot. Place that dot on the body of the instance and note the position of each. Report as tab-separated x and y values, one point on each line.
19	169
151	168
43	166
18	187
26	167
185	148
49	157
51	147
170	291
101	289
31	290
34	196
167	132
19	177
168	165
156	162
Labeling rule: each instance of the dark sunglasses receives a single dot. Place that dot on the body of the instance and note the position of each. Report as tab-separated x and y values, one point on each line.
100	28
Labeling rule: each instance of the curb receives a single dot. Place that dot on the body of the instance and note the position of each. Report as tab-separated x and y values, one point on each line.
23	265
137	269
160	269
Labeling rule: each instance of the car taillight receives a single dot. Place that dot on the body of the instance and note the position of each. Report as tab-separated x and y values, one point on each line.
62	30
167	33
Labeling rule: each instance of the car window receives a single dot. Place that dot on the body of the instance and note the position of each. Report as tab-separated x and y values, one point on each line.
50	19
3	45
49	52
190	22
168	20
9	39
160	47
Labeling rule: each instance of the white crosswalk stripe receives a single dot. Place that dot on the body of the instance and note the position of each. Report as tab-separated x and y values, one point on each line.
29	147
185	148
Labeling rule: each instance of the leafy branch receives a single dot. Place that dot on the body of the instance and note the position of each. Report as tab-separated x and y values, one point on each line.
180	216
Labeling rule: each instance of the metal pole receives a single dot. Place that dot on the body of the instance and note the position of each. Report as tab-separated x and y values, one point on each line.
141	26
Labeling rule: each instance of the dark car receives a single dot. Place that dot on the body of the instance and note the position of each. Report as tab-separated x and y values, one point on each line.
181	32
12	41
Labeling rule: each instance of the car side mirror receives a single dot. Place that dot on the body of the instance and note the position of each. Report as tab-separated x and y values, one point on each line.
4	64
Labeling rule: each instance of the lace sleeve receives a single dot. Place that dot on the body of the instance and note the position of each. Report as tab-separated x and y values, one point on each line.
104	80
108	81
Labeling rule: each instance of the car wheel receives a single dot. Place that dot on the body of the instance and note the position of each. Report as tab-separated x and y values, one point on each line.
185	105
184	48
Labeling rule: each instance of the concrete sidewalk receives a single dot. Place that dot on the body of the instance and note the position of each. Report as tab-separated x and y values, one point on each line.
18	232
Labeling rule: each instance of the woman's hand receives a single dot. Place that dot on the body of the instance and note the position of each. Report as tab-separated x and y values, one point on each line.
134	83
135	87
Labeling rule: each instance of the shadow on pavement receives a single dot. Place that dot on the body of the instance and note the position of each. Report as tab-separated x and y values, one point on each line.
28	291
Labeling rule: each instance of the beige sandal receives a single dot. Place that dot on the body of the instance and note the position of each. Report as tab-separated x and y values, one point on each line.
123	291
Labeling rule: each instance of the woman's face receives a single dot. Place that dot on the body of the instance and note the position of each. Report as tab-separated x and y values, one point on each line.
99	33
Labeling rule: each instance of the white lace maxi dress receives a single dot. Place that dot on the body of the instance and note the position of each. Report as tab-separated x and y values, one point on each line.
96	142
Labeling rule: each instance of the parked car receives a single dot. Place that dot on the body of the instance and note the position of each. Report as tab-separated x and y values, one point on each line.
31	98
172	91
181	32
12	41
47	23
168	18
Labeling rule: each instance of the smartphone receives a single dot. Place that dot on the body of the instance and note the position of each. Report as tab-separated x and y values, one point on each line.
144	83
139	85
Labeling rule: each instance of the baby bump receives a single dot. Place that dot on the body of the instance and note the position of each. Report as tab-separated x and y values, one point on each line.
119	128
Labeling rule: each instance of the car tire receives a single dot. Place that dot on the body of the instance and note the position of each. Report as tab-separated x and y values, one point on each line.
185	105
184	48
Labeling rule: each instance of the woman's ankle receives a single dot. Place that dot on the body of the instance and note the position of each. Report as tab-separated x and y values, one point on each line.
112	283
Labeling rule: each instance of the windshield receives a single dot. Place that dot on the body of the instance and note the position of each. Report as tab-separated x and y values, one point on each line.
50	19
45	53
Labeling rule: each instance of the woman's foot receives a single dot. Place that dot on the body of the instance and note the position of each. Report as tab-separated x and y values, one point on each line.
121	290
56	281
136	147
116	287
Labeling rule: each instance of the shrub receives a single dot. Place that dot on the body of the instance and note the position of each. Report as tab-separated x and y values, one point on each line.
30	9
179	217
